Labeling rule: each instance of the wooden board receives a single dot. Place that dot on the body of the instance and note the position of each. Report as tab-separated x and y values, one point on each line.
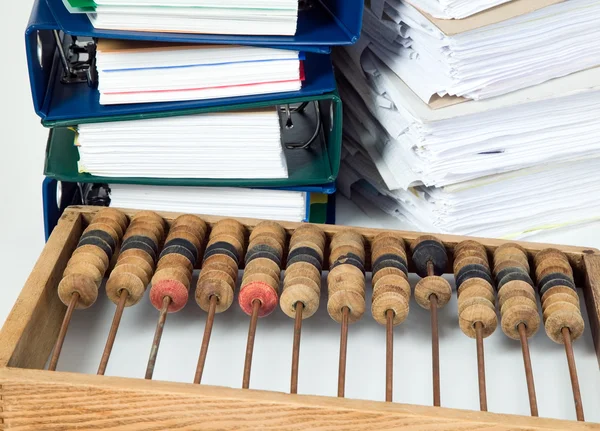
34	399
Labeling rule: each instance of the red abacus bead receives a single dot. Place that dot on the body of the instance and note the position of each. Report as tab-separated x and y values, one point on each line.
261	291
171	288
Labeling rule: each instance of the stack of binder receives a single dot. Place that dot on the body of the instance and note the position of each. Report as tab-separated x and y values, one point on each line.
474	121
176	99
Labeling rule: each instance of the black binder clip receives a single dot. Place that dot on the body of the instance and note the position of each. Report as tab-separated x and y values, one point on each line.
78	59
302	111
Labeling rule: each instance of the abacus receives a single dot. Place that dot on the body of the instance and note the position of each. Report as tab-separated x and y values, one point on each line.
131	250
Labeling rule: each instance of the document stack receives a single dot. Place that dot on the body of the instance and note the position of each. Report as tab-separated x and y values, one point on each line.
474	117
225	108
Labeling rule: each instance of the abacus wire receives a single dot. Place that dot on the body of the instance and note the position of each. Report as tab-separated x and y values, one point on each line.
566	333
296	348
343	351
528	369
250	344
112	334
389	356
63	332
160	325
481	367
210	318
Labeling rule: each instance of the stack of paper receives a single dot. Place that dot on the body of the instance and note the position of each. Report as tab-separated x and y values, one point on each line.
256	17
144	72
512	205
448	9
483	62
242	144
505	166
222	201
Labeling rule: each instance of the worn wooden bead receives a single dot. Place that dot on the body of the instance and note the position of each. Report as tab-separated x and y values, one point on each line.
480	312
261	291
222	262
344	250
515	288
555	270
470	260
306	282
90	259
229	226
433	285
172	288
105	229
344	298
549	253
309	232
389	238
477	290
469	244
296	292
346	272
566	317
154	235
132	269
83	284
254	268
173	273
393	282
197	224
515	300
559	289
112	223
151	215
509	263
395	301
388	271
376	253
303	269
346	237
84	268
517	313
215	283
560	297
138	262
234	240
176	231
114	214
261	277
558	306
92	249
125	281
141	254
467	302
475	281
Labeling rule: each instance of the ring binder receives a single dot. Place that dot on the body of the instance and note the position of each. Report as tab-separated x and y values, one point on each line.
324	23
55	100
312	146
57	195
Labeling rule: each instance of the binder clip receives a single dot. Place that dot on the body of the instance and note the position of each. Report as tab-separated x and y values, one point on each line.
78	59
289	123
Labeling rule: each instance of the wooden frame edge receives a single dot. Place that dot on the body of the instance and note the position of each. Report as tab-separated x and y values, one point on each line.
32	326
43	399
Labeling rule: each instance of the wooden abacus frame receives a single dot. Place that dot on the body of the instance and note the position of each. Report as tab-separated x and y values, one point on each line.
32	398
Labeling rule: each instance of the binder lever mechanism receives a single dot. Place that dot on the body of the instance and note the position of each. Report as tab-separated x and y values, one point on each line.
78	59
289	123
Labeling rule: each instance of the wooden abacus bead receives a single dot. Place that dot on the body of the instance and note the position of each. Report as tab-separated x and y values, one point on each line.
219	272
477	310
511	251
515	288
82	284
346	280
263	285
391	292
113	214
308	232
302	280
563	315
428	249
516	310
